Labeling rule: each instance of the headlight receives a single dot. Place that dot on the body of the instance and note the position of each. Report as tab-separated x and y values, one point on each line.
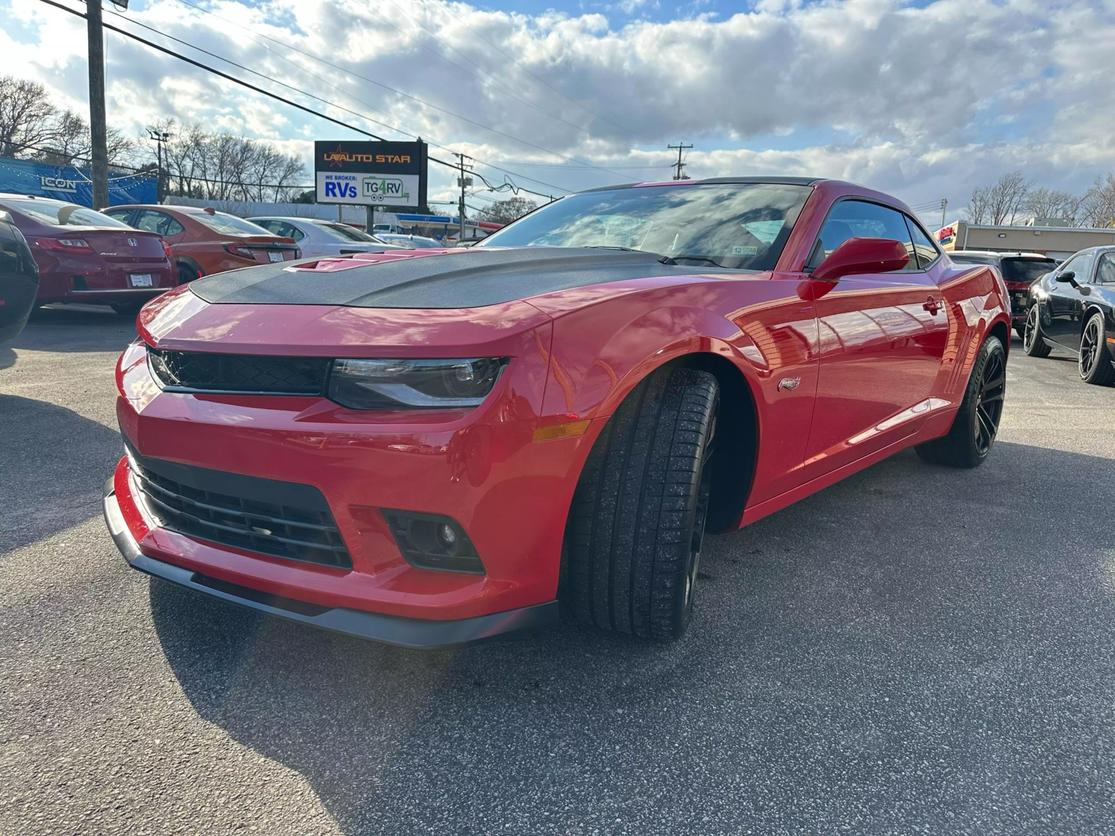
389	384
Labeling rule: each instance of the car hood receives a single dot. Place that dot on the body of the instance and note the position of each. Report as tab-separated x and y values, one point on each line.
431	279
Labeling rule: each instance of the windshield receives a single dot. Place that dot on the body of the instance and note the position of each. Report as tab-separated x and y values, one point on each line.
57	213
228	224
346	233
737	225
1026	269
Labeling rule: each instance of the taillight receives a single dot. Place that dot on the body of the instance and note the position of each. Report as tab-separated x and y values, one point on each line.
242	252
168	251
63	244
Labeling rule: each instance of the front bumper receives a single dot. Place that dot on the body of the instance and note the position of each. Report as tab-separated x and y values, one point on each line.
403	632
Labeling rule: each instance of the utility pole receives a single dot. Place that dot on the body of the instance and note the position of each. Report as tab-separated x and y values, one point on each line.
944	209
97	103
464	182
159	138
679	165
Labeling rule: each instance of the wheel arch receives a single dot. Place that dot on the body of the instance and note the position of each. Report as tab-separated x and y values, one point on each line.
738	429
1093	308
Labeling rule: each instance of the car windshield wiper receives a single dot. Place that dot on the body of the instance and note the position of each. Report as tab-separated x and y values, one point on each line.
678	259
620	249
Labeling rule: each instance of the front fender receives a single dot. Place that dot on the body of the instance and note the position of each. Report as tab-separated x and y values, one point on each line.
600	354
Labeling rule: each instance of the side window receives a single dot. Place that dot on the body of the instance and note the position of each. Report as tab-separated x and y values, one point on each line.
119	214
270	226
924	247
291	231
159	222
1105	274
1081	264
860	219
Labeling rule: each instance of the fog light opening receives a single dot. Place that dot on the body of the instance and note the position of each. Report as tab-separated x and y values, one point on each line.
433	541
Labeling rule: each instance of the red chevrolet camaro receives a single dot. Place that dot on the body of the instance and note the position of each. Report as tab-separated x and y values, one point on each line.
427	447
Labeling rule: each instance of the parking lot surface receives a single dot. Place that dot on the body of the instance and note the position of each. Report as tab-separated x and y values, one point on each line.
915	650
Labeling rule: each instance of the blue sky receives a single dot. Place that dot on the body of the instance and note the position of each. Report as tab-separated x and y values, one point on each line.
924	99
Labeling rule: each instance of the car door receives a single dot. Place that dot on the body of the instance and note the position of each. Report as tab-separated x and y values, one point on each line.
1061	313
882	339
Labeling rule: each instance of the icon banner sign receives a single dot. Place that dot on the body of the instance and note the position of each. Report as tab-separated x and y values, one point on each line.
386	174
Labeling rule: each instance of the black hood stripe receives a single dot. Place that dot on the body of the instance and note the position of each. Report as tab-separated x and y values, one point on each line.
470	279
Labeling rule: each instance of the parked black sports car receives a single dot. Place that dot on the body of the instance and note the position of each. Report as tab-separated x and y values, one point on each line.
19	279
1074	306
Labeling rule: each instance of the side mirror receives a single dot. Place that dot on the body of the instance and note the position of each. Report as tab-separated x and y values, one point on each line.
862	255
1068	276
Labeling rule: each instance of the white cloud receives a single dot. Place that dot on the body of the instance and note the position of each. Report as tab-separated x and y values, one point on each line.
927	101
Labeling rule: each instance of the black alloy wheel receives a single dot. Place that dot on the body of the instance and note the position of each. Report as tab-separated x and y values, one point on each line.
1094	360
1032	341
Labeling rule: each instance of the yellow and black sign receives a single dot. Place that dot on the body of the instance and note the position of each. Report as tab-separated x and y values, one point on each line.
387	174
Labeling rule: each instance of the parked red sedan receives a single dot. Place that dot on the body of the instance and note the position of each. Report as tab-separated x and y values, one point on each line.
432	446
86	256
204	241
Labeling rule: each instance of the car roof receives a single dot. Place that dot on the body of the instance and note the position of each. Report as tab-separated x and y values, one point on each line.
775	181
16	196
999	254
289	219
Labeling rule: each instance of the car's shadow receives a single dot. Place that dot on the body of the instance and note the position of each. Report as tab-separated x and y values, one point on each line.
75	328
53	462
7	357
911	643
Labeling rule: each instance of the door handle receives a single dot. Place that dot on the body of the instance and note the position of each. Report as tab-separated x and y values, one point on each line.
932	305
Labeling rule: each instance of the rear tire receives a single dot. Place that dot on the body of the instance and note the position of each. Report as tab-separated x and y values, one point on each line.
973	431
1033	343
1094	360
636	525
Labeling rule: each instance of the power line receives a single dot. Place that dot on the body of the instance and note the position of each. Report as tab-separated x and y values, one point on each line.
331	103
277	97
349	72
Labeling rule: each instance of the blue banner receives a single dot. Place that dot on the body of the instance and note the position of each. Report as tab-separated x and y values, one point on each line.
72	184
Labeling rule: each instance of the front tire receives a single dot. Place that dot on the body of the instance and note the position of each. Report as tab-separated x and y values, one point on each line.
1032	341
637	522
1094	360
973	431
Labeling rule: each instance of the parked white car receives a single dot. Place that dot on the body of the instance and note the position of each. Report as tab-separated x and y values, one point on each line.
417	242
316	237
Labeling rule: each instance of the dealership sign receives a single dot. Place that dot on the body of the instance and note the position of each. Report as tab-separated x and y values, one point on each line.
387	174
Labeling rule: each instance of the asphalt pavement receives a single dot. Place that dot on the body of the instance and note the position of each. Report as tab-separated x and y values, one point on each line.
915	650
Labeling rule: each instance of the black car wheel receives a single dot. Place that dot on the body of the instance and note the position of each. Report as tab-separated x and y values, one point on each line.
1094	360
1032	341
977	421
637	523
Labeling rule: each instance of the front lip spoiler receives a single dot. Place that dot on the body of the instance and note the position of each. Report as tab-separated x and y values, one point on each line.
402	632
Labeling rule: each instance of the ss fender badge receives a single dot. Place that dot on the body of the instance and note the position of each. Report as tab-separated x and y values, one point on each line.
788	384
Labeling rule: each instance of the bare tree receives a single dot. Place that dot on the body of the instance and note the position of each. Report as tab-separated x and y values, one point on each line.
506	211
27	118
226	167
1098	204
1045	203
72	143
1000	203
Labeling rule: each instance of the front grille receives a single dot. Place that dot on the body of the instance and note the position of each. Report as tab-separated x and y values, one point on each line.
203	371
281	519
